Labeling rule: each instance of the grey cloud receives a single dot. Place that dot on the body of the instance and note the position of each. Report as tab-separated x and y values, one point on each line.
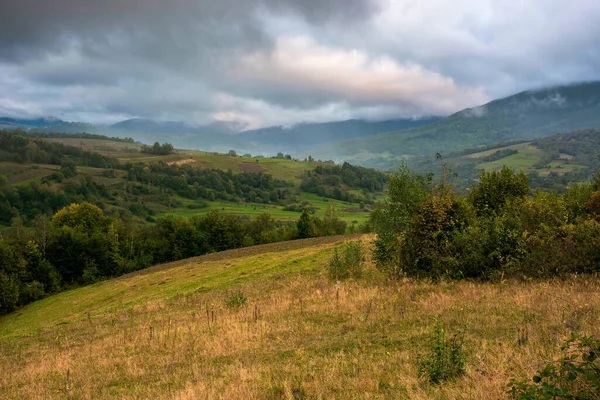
234	59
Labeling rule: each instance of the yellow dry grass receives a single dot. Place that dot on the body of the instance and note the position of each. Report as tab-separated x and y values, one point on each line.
300	336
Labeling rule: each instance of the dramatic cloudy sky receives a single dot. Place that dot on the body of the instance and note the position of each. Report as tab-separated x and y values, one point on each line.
271	62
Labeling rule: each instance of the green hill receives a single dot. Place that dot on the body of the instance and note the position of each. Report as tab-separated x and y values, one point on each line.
113	173
526	115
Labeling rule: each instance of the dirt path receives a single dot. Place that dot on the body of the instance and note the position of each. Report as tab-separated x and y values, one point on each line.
245	252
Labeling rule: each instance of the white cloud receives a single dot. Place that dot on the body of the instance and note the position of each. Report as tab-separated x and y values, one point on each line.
300	64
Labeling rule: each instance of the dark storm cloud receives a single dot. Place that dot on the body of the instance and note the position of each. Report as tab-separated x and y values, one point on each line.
29	28
273	61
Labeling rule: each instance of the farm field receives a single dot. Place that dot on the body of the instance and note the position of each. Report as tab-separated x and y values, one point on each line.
525	159
166	332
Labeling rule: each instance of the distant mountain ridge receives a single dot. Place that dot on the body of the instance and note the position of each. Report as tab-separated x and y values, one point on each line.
29	123
223	136
309	134
526	115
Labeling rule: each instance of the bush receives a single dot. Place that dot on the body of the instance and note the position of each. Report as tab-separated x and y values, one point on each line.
347	264
576	375
236	300
446	358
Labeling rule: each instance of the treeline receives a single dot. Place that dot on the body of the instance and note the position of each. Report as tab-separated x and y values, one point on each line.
26	202
78	135
210	184
334	181
157	149
501	229
80	245
20	149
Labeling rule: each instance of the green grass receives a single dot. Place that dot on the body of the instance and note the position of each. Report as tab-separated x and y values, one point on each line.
525	160
277	212
526	157
188	277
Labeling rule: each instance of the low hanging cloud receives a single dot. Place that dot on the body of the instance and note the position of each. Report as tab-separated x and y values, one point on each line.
267	62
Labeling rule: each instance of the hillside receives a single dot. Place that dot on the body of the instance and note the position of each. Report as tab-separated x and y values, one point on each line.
184	183
310	134
526	115
553	162
167	332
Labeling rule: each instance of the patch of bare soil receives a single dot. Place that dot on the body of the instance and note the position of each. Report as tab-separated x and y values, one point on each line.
252	168
245	252
182	162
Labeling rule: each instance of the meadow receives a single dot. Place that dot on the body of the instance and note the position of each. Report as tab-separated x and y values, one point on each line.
167	332
525	159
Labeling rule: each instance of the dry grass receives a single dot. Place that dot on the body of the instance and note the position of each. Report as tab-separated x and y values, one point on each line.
299	336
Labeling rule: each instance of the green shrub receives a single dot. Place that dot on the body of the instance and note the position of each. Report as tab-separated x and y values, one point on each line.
236	300
446	358
576	375
347	263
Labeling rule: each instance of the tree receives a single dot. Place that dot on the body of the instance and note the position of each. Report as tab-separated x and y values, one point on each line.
305	225
84	216
495	188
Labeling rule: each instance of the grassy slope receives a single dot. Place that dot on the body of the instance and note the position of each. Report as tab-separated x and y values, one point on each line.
288	170
148	335
524	160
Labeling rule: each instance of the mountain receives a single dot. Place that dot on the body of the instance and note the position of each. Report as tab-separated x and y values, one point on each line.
527	115
28	123
310	134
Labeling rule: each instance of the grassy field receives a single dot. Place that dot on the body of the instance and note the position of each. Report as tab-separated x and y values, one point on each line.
166	332
525	159
346	211
289	170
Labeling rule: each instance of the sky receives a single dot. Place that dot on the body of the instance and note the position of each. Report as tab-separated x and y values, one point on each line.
281	62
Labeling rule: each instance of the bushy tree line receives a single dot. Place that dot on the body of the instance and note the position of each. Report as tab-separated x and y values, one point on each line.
20	149
78	135
157	149
333	181
79	244
30	200
210	184
500	229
